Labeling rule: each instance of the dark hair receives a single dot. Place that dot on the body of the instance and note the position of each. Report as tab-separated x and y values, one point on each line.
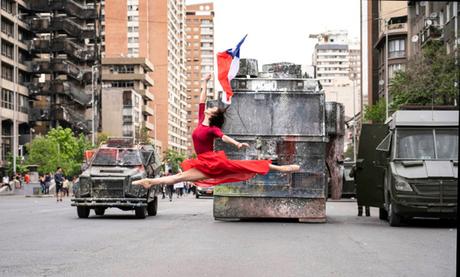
218	118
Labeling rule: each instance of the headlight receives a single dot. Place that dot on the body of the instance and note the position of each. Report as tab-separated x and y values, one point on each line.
402	185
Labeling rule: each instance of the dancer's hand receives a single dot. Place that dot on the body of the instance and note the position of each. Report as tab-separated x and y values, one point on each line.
142	182
242	145
207	77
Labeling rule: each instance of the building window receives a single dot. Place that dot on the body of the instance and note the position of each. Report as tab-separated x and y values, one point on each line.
122	84
7	72
128	68
396	48
132	18
7	49
393	68
7	27
447	12
7	98
7	5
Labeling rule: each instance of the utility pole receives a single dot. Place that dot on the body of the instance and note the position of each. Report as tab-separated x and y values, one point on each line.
93	106
386	69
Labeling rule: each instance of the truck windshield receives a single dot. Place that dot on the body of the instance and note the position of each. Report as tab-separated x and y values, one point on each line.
114	157
427	144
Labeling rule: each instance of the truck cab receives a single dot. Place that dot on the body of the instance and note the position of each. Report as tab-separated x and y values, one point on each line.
414	167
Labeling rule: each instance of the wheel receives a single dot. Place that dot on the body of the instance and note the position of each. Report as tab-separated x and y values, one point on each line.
83	212
99	211
383	214
152	207
393	218
141	212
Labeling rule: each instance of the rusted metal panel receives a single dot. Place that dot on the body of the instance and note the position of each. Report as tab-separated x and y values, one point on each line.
282	120
303	209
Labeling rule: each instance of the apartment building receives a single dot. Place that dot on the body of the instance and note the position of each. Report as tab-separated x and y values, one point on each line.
336	62
386	20
200	60
154	30
125	88
15	76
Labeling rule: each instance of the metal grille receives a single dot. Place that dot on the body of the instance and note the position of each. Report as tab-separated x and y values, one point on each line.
444	188
107	188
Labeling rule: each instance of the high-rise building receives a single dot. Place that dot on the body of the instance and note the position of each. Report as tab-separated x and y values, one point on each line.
15	75
336	62
200	59
154	30
385	20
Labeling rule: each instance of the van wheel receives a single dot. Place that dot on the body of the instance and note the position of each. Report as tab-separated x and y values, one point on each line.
393	218
83	212
99	211
383	214
152	207
141	212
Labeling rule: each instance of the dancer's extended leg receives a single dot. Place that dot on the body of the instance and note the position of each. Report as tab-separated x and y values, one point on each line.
285	168
190	175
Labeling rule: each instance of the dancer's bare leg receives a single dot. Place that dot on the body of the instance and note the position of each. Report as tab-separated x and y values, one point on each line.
190	175
285	168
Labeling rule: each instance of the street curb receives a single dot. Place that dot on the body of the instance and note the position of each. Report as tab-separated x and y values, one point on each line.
341	200
39	196
7	194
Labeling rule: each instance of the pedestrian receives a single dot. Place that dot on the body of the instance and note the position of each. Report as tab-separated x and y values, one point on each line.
41	178
27	178
58	179
65	187
75	185
47	183
352	174
15	182
179	188
210	167
6	182
170	187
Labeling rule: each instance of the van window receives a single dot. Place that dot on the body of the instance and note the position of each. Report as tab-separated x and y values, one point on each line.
415	144
447	144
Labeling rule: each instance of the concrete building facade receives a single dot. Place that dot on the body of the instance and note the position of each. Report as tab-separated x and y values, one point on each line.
337	65
200	59
154	30
15	75
385	18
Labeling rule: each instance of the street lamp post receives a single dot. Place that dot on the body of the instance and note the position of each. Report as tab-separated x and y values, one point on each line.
354	122
93	106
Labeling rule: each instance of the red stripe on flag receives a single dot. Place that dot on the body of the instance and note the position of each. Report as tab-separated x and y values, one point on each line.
224	61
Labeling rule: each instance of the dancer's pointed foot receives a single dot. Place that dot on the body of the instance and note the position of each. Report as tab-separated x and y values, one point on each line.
290	168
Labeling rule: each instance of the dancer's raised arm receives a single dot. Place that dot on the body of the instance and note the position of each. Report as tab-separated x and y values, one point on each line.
204	88
229	140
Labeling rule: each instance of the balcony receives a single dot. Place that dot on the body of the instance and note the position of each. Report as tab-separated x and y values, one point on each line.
431	33
73	118
46	25
63	45
146	110
68	89
68	6
62	67
147	95
128	77
149	125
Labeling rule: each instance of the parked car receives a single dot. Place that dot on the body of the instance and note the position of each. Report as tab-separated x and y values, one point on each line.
203	191
107	179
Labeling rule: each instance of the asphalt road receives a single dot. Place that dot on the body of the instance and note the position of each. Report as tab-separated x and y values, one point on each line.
39	237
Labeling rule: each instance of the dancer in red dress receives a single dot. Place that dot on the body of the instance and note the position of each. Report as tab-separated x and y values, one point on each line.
210	167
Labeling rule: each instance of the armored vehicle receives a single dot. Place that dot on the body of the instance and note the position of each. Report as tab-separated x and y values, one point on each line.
409	166
282	117
107	180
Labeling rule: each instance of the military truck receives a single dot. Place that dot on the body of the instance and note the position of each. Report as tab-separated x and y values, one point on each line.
408	166
107	179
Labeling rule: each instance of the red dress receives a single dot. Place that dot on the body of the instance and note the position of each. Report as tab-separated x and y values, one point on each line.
215	165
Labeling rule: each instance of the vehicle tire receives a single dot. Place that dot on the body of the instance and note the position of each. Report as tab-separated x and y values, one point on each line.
152	207
393	218
83	212
99	211
383	214
141	212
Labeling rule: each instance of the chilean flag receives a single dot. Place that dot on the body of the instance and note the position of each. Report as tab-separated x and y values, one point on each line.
228	64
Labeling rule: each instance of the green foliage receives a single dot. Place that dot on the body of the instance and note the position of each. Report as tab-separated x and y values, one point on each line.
58	148
375	113
101	138
142	135
20	167
428	79
173	159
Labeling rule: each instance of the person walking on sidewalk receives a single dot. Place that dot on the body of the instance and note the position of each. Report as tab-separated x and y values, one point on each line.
58	179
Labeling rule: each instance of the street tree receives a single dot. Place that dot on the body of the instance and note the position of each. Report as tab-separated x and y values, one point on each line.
60	147
173	159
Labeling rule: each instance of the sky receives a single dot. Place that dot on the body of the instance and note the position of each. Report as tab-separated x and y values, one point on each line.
278	30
